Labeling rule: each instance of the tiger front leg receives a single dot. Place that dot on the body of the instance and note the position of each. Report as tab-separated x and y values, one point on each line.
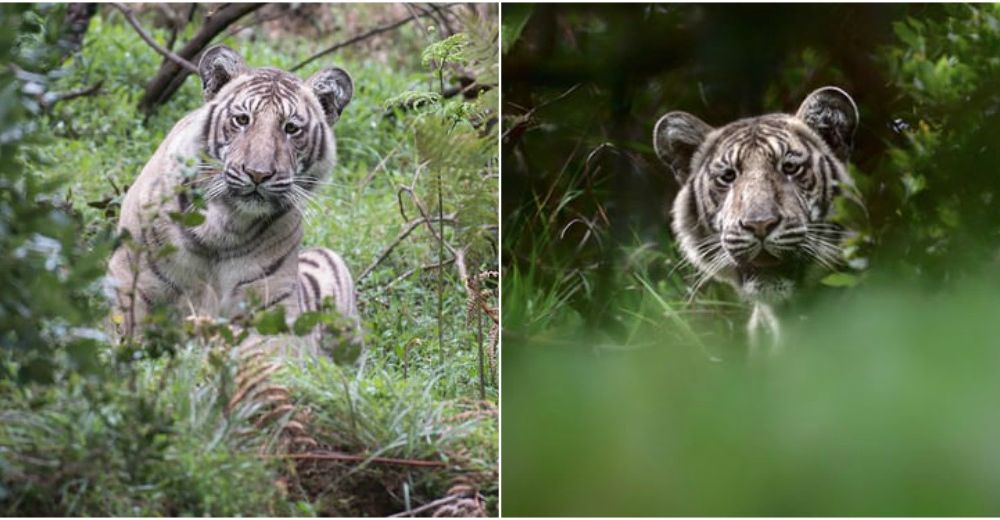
263	291
131	286
764	330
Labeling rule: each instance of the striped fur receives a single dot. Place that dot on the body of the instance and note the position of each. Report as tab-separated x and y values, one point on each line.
247	160
756	195
324	277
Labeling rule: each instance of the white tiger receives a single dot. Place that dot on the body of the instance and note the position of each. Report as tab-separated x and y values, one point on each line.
756	196
246	160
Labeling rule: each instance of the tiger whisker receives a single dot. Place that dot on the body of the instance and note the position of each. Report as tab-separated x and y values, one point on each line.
708	246
716	264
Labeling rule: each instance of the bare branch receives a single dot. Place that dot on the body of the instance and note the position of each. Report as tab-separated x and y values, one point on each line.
407	229
406	274
345	457
427	219
363	36
51	98
151	42
430	505
171	75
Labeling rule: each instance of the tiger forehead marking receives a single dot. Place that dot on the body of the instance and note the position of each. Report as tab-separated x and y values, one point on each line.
757	151
756	193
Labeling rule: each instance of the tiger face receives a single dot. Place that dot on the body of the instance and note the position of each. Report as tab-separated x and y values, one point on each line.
756	194
267	131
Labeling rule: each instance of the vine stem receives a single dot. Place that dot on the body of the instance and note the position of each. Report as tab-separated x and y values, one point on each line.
440	271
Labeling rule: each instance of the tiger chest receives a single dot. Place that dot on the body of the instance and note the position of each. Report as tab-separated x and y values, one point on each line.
227	287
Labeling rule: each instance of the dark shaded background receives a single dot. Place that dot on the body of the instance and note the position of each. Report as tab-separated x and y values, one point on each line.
720	62
579	76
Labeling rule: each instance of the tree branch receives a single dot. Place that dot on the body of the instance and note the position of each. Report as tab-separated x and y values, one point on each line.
171	74
51	98
410	226
360	37
330	455
130	18
430	505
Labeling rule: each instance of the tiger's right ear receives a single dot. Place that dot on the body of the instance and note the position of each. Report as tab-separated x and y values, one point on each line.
676	138
218	66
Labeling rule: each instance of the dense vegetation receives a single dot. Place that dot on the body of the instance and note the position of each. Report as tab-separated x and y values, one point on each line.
171	425
625	393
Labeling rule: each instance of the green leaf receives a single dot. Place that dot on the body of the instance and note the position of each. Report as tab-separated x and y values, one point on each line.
447	51
227	334
914	184
515	18
187	219
347	353
305	322
907	35
840	280
38	370
84	355
272	322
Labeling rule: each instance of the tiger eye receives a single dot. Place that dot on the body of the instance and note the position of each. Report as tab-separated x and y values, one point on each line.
791	169
241	119
292	128
728	175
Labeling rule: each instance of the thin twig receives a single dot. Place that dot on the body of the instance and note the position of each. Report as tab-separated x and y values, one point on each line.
430	505
423	213
130	18
261	21
331	455
440	273
463	274
50	99
407	229
412	270
358	38
415	15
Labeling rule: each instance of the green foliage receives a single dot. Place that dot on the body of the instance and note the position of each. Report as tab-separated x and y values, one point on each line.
450	50
515	17
272	322
946	69
879	407
147	438
48	276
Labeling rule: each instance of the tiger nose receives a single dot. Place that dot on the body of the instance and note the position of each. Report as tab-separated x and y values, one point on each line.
258	175
761	226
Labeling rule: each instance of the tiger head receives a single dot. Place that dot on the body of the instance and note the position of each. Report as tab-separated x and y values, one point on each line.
268	132
756	193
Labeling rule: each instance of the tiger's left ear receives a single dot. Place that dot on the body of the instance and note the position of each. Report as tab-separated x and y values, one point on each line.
832	114
334	89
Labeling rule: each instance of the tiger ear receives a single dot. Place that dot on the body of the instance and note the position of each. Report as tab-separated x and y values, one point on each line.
218	66
676	138
334	89
832	114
